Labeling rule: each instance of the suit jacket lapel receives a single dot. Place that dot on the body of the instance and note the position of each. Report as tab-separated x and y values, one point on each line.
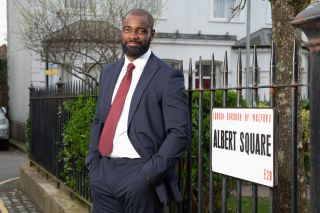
111	78
149	70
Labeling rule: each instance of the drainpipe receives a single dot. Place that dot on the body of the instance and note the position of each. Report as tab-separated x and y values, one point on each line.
248	91
309	21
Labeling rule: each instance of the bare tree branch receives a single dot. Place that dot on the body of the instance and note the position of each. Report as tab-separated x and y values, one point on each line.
237	8
77	36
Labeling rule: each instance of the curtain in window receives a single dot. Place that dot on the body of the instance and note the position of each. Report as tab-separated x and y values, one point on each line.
222	8
154	5
78	4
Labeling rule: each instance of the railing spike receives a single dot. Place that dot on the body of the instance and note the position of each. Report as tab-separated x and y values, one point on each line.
255	77
200	71
213	74
225	70
239	69
272	75
190	83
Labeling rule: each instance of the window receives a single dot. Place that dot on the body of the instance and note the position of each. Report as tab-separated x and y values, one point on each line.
174	63
206	71
154	4
222	10
269	14
89	5
156	7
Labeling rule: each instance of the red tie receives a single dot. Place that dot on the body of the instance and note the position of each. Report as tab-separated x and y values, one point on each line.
110	124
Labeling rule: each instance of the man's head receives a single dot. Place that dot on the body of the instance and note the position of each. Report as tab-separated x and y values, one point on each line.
137	33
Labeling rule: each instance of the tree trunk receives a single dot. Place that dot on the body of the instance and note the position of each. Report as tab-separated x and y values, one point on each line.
283	35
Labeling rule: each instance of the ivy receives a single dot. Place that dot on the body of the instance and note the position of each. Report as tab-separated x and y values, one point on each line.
76	137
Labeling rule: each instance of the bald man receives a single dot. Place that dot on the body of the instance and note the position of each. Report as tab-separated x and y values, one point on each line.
140	129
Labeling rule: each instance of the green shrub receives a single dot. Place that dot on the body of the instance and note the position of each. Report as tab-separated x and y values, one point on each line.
305	128
76	137
305	104
231	102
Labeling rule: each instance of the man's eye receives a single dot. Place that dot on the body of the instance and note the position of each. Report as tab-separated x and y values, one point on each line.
126	30
141	31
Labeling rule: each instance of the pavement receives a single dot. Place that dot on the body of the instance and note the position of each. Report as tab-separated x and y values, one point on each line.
12	198
41	188
21	146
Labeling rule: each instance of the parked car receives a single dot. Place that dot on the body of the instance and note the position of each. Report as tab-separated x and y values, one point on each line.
4	129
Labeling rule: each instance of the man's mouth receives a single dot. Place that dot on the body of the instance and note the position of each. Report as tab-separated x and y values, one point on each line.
132	44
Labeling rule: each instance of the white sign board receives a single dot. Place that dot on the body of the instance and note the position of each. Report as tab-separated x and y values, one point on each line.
243	144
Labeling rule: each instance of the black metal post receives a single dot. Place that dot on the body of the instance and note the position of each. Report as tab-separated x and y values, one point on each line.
255	104
60	86
273	104
224	103
239	100
294	119
255	78
180	162
212	104
189	164
309	21
200	122
47	66
31	92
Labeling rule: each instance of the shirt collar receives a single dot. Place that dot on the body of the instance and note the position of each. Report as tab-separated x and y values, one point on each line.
139	62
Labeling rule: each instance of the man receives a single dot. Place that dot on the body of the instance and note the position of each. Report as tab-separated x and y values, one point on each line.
144	113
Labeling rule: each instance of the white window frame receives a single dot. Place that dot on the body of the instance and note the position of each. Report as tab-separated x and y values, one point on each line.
269	13
218	71
177	64
237	19
70	7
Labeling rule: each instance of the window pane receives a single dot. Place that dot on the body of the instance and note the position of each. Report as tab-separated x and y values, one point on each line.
154	6
78	4
223	8
206	68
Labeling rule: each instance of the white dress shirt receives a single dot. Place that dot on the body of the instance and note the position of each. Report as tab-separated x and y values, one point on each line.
122	146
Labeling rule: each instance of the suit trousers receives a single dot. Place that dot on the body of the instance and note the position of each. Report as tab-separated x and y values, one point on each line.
118	185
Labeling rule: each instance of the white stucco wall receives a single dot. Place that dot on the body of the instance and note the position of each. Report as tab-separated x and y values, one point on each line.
184	16
19	69
189	16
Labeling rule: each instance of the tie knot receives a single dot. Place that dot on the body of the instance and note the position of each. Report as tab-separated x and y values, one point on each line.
130	67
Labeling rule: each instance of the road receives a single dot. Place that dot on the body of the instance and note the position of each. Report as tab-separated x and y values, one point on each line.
12	199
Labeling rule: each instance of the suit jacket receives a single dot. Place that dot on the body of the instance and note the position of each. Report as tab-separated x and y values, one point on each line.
158	122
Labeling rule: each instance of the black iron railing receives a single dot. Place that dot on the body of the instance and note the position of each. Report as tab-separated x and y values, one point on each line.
48	118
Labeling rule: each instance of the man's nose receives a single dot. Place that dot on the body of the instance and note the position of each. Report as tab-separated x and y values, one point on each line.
133	34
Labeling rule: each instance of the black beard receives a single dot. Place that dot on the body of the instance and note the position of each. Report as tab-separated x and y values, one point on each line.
136	51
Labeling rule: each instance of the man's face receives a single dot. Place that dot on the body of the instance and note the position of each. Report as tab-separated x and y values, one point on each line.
136	36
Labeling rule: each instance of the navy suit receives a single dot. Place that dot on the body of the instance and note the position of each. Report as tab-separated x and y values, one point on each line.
158	122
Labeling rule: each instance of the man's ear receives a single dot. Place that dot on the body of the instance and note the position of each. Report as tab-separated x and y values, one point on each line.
153	33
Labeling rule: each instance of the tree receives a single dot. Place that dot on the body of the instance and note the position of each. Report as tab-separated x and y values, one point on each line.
283	34
77	35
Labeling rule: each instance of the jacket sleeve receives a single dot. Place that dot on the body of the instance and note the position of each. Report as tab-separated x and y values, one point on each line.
95	132
177	126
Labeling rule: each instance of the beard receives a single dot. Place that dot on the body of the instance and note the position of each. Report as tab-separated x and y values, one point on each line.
135	51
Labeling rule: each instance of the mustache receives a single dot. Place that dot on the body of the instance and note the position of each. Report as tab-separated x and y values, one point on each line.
138	42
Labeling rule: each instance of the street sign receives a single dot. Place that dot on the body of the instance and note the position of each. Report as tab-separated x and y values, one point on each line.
51	72
243	144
